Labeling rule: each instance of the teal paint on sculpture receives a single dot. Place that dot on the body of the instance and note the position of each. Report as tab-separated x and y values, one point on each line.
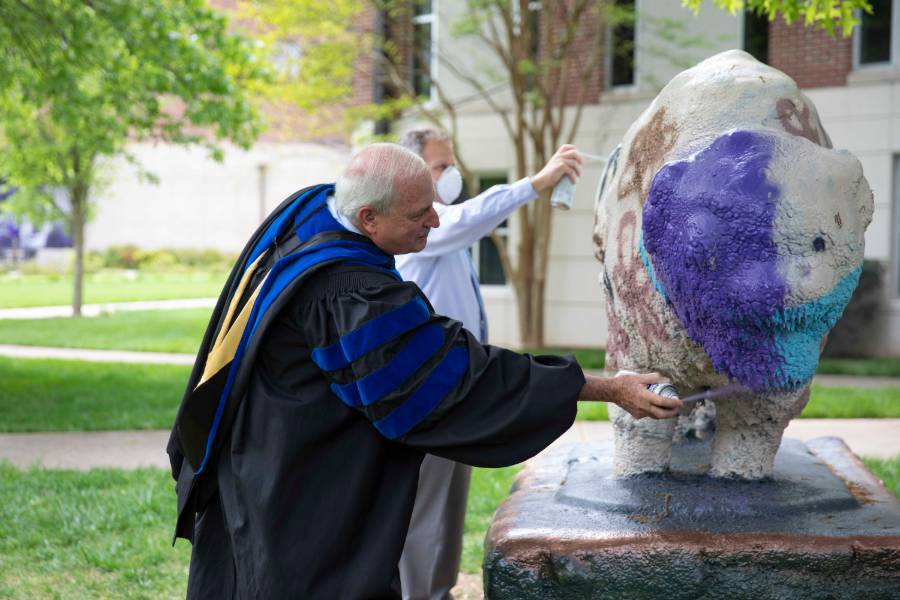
802	327
648	266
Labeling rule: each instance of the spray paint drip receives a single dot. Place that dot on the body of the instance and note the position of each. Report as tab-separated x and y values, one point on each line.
713	393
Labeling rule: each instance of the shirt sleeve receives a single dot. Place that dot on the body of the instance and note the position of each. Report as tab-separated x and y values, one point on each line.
423	380
464	224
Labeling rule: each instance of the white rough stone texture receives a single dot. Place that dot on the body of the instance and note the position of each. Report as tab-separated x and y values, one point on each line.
727	92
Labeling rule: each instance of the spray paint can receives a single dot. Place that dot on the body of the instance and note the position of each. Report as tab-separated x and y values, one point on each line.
563	192
667	390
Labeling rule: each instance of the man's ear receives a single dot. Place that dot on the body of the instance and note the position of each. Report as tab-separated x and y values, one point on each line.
368	220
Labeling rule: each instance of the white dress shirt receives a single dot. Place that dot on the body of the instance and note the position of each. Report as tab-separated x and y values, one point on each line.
444	269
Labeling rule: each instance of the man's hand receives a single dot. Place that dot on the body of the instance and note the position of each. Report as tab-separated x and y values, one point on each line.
630	393
566	161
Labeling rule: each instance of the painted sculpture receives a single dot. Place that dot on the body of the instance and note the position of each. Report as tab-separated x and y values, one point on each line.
731	236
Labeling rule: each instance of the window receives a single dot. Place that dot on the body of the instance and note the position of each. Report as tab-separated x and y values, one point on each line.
756	36
424	21
621	43
286	57
876	35
485	253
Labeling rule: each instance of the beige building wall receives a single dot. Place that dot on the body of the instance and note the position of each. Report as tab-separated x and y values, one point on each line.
200	203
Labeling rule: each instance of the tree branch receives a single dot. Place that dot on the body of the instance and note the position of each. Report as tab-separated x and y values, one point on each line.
482	91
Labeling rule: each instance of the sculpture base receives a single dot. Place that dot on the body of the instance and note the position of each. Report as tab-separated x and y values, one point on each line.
821	527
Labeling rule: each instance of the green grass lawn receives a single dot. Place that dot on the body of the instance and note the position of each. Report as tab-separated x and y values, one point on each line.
106	533
60	395
145	331
95	534
488	489
872	367
108	286
887	470
852	403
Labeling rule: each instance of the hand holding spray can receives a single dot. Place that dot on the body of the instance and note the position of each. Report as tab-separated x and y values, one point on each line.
564	190
666	390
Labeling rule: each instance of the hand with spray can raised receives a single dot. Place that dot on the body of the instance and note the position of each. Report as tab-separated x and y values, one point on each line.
564	165
564	191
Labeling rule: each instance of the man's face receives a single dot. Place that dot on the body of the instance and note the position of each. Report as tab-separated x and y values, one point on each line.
438	156
405	229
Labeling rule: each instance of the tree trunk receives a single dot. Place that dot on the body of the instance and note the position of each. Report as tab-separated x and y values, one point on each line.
78	197
524	279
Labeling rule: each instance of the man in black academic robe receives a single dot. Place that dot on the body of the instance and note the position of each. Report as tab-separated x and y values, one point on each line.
309	478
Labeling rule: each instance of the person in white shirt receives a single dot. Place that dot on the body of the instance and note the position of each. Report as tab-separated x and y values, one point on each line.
445	272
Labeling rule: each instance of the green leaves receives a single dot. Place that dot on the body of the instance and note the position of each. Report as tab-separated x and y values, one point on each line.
823	14
81	79
312	46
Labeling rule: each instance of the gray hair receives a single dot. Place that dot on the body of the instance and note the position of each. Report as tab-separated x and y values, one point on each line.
375	178
414	140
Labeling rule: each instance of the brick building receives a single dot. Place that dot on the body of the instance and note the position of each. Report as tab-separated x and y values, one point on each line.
854	82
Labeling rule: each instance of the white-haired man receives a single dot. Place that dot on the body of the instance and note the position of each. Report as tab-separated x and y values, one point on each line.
324	379
445	272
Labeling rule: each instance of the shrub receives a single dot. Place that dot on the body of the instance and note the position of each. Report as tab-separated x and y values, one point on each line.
163	259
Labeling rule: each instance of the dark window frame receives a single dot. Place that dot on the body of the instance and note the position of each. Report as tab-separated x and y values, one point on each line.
880	52
619	59
756	36
424	17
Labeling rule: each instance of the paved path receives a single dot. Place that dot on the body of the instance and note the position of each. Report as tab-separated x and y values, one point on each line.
96	355
92	310
878	438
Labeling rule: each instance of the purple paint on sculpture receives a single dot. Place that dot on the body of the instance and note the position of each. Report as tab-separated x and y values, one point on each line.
707	228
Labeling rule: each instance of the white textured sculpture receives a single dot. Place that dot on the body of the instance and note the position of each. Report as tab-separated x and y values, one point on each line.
731	237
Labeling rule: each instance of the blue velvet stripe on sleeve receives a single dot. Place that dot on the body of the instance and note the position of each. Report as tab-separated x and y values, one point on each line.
378	384
370	335
426	398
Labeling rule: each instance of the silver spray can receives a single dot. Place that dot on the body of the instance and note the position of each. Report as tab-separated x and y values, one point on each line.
666	390
563	192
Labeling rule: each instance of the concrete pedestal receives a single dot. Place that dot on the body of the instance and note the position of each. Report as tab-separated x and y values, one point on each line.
821	527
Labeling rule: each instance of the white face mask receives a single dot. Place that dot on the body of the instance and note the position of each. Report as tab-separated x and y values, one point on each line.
449	185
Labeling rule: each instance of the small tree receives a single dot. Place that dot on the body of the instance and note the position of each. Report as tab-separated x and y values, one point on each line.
547	58
80	79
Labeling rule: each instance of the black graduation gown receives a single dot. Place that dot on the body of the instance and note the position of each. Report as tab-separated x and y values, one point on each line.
353	383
